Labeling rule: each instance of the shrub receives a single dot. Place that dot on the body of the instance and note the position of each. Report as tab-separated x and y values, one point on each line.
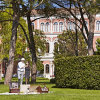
78	72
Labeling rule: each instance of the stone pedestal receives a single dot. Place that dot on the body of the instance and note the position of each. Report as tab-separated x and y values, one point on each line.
13	87
24	88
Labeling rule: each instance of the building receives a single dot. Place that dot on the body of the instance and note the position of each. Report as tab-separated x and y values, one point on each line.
52	27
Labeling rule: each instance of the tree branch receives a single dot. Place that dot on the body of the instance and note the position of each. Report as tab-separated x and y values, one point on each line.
6	20
6	12
38	4
68	9
84	23
84	35
38	18
25	34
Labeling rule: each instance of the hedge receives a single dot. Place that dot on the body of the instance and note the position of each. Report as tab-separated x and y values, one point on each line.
78	72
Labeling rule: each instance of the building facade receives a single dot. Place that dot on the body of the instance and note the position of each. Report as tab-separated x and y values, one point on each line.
52	27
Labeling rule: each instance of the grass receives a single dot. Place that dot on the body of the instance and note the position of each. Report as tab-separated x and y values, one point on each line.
55	94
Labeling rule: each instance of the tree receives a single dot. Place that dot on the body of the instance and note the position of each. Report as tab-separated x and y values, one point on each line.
16	17
28	7
6	36
21	8
85	7
40	66
66	45
21	43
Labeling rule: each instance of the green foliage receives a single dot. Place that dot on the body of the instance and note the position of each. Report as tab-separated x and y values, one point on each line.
6	37
40	66
5	34
21	43
91	6
40	40
78	72
67	43
98	46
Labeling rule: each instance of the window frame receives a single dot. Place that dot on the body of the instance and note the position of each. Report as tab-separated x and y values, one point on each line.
47	68
47	27
60	27
42	27
98	25
55	27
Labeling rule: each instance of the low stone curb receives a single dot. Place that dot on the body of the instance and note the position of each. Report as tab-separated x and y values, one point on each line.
7	93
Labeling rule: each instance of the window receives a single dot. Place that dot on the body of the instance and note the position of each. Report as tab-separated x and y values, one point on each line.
70	26
47	47
47	27
47	68
98	25
42	27
60	26
55	27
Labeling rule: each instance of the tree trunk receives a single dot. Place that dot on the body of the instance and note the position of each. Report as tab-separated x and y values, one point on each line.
91	34
32	50
76	33
10	66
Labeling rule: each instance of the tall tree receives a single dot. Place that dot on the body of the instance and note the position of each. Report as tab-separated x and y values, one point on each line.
21	43
22	8
29	6
16	17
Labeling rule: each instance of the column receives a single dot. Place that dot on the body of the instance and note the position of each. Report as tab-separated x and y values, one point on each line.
51	25
51	47
38	24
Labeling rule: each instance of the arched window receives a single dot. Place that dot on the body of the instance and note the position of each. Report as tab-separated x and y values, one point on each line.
47	27
70	26
47	47
47	68
42	27
55	27
60	26
98	25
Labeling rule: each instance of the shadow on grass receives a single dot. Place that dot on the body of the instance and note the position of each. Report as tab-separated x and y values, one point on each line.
1	82
39	81
43	83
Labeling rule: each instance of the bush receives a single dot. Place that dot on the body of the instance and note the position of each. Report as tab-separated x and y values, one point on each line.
78	72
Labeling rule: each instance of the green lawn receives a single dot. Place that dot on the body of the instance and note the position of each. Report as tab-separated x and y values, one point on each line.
55	94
